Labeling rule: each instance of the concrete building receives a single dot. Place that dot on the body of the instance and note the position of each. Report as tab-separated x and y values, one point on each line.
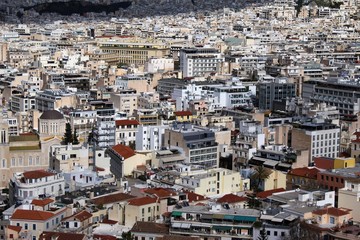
126	131
348	197
279	89
52	123
196	143
200	62
212	182
150	137
65	158
319	137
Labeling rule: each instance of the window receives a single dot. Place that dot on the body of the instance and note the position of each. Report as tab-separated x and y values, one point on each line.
283	234
47	225
149	209
34	226
268	233
26	226
75	224
332	220
13	161
275	233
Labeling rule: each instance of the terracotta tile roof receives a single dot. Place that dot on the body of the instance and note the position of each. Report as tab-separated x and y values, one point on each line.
104	237
268	193
34	215
61	236
183	113
80	216
124	151
142	201
14	228
112	198
194	197
305	172
126	122
107	221
36	174
161	192
331	211
231	198
42	202
177	237
150	227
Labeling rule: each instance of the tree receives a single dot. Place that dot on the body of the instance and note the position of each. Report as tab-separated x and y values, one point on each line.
75	138
253	202
263	235
260	174
127	236
68	137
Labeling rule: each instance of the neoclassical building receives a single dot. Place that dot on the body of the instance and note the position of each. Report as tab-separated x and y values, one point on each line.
52	123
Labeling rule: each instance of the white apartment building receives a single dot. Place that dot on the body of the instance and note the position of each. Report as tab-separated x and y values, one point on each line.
65	158
349	196
81	177
104	132
155	65
199	62
32	184
126	131
232	96
150	137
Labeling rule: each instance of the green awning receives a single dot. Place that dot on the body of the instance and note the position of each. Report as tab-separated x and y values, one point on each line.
222	228
176	214
218	216
245	218
229	217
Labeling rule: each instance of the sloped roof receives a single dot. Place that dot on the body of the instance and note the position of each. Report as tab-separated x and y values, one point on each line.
14	228
36	174
305	172
126	122
81	216
124	151
150	227
42	202
33	215
268	193
51	115
231	198
142	201
331	211
160	192
112	198
61	236
183	113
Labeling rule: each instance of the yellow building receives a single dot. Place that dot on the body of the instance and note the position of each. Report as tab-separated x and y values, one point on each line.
277	179
183	116
332	216
212	182
344	163
141	209
135	52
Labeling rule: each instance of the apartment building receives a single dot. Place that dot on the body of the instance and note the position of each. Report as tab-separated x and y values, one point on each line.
105	131
147	116
344	95
150	137
232	96
142	209
278	89
200	62
37	183
348	197
125	101
64	158
213	181
126	131
196	143
54	100
319	137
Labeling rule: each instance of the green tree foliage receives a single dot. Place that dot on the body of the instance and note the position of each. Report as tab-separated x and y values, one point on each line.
68	136
127	236
258	176
263	235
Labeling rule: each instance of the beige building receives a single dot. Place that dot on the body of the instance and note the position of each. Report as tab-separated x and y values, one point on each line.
52	123
277	179
125	101
135	52
141	209
213	181
64	158
348	197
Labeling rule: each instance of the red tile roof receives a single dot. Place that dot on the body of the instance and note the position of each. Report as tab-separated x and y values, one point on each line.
231	198
150	228
183	113
14	228
124	151
104	237
42	202
142	201
268	193
107	221
80	216
305	172
126	122
160	192
61	236
34	215
36	174
331	211
112	198
194	197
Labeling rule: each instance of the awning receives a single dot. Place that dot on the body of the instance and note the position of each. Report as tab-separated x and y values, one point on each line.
206	216
176	225
229	217
222	228
245	218
185	225
218	216
176	214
